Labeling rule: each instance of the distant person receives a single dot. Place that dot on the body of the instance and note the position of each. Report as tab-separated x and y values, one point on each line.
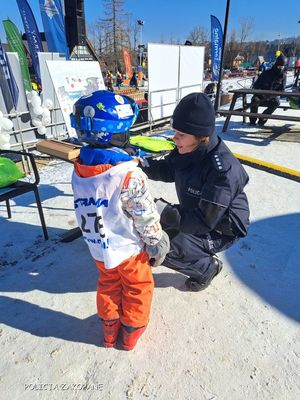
211	89
133	81
271	79
119	80
296	73
297	66
109	81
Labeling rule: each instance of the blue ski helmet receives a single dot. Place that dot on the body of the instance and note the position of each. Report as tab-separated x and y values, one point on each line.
99	115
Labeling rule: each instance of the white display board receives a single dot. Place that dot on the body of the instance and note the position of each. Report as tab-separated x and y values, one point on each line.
48	92
163	72
71	80
191	66
173	72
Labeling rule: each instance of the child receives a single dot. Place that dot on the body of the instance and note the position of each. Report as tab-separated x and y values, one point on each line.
109	81
117	216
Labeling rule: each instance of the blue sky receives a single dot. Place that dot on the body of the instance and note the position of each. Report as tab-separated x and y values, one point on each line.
167	18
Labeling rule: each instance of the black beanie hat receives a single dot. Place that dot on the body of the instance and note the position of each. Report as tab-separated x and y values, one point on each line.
281	60
195	115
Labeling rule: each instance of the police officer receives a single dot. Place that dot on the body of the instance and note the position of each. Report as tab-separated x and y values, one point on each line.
213	210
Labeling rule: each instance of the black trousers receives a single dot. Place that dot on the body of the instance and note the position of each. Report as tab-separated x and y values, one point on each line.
191	255
271	103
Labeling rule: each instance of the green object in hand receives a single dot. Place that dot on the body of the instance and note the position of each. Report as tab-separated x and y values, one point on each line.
9	172
152	144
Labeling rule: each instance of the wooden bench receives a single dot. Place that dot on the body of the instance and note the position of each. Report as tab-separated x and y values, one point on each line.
245	105
259	115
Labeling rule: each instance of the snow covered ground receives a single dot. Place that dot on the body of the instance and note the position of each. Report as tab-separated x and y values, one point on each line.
239	339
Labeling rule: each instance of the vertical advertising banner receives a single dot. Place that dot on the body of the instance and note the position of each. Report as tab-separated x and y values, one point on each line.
32	34
9	87
216	47
54	26
127	62
16	45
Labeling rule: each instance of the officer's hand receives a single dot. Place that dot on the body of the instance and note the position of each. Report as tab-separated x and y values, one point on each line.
143	163
160	205
170	217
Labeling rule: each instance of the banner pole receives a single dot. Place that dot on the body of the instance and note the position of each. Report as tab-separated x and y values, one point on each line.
217	99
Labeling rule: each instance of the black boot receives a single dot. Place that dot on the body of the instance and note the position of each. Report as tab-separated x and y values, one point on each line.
261	122
196	285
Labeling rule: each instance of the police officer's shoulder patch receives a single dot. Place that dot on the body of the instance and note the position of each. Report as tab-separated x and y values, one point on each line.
218	162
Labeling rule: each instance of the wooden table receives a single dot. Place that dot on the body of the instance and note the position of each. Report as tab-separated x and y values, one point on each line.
245	105
67	152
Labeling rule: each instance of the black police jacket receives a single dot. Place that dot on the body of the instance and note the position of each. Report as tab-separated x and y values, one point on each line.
210	185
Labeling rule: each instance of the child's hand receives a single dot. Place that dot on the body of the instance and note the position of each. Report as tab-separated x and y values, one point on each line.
158	253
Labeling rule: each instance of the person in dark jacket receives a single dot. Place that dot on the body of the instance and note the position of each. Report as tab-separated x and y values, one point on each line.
213	211
119	80
133	81
271	79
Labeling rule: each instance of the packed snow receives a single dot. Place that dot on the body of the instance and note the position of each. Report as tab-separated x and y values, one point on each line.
239	339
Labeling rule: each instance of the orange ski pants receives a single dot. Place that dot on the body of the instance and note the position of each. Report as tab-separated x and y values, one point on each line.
126	291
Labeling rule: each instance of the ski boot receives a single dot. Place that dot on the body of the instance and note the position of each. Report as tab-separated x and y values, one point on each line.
110	331
130	336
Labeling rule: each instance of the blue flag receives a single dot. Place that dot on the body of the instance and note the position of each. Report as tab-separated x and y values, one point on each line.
54	26
32	34
216	47
8	84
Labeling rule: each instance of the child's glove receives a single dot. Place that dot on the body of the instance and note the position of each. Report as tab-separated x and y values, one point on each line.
158	253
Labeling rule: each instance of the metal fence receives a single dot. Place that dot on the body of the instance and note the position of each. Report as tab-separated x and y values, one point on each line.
24	136
177	96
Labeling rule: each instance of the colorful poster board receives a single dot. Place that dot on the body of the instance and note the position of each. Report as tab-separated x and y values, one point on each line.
71	80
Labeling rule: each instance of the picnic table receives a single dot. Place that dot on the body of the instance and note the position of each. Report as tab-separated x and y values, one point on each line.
241	111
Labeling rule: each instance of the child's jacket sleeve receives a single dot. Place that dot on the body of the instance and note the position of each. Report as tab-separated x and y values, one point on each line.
137	201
